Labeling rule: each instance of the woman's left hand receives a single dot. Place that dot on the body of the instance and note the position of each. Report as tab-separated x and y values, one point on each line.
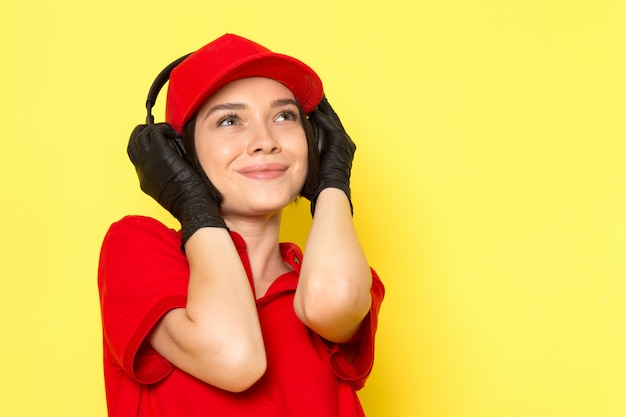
337	150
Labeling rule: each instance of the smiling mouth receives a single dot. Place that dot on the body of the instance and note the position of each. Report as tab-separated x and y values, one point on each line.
264	171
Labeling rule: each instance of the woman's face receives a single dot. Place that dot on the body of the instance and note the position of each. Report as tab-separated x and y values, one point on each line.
251	144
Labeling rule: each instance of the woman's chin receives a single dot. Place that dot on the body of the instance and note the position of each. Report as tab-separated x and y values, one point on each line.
259	206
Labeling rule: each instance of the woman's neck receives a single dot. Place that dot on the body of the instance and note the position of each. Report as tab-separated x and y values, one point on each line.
262	244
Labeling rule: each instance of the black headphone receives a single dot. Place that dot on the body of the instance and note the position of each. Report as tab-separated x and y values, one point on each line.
158	83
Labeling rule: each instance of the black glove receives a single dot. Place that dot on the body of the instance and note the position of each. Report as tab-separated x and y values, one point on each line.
168	178
336	153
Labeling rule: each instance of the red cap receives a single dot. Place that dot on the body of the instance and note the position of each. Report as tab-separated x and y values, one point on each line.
231	58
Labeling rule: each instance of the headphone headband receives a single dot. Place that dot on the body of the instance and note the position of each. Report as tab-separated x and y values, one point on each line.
158	83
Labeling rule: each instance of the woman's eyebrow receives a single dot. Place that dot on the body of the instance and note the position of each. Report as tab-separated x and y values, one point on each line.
240	106
284	102
225	106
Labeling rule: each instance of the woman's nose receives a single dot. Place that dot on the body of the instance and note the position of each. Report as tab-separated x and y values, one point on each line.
263	139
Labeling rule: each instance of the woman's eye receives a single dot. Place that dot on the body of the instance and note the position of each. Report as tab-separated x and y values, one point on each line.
229	120
287	115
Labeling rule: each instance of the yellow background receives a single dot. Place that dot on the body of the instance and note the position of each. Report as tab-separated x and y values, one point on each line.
489	188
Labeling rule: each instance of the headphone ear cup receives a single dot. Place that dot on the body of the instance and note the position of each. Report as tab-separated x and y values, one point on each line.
178	144
319	134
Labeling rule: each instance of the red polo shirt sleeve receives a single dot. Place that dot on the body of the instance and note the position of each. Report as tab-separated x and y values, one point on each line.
142	275
353	361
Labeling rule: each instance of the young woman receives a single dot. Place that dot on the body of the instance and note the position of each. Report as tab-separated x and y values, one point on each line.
220	318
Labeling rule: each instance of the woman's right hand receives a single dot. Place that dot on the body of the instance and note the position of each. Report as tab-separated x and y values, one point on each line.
168	178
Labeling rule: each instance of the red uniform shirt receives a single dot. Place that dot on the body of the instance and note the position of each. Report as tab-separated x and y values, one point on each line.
143	274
